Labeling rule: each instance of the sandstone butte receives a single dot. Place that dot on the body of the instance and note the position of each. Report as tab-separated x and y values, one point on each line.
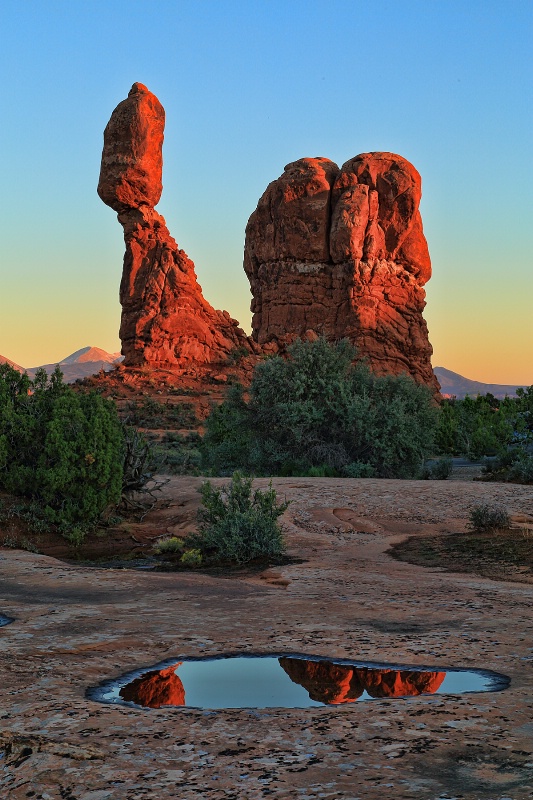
329	252
341	253
166	321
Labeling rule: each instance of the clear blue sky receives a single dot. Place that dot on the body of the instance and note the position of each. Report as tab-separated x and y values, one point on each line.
248	87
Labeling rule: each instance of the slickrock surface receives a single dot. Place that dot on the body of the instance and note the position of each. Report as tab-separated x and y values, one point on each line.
341	253
166	321
76	626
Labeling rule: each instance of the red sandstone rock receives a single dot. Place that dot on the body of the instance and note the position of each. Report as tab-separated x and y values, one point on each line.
394	190
338	253
357	272
156	689
400	683
166	321
339	683
292	220
132	158
325	682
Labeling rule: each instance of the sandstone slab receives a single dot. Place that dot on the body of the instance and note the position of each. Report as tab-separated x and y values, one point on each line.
76	626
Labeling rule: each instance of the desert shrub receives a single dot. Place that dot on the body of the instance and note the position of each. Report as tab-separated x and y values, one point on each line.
236	355
438	470
513	464
489	517
178	455
152	414
358	469
191	558
315	409
172	545
61	450
237	524
19	544
75	534
521	467
28	512
483	426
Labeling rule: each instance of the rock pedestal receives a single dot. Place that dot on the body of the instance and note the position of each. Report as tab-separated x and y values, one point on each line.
166	321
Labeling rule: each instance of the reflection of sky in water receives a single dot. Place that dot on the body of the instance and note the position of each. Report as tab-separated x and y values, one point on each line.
260	682
459	682
241	682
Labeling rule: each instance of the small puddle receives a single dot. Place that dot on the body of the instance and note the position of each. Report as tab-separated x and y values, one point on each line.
284	681
5	620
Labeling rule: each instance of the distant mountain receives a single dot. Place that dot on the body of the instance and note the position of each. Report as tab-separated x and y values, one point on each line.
456	385
4	360
81	364
91	355
90	360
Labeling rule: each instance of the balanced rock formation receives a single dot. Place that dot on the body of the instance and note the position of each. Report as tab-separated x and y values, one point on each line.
334	684
166	321
341	253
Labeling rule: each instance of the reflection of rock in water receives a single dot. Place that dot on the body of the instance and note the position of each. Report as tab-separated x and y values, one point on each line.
325	682
156	689
340	683
400	683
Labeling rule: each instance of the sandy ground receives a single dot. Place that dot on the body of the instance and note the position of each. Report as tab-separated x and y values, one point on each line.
76	626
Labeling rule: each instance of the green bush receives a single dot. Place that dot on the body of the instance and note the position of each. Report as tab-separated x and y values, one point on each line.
178	455
314	410
322	471
191	558
61	450
521	468
439	470
489	517
172	545
237	524
484	426
152	414
358	469
513	464
229	442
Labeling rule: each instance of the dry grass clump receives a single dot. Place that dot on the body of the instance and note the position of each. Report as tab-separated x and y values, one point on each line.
489	517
